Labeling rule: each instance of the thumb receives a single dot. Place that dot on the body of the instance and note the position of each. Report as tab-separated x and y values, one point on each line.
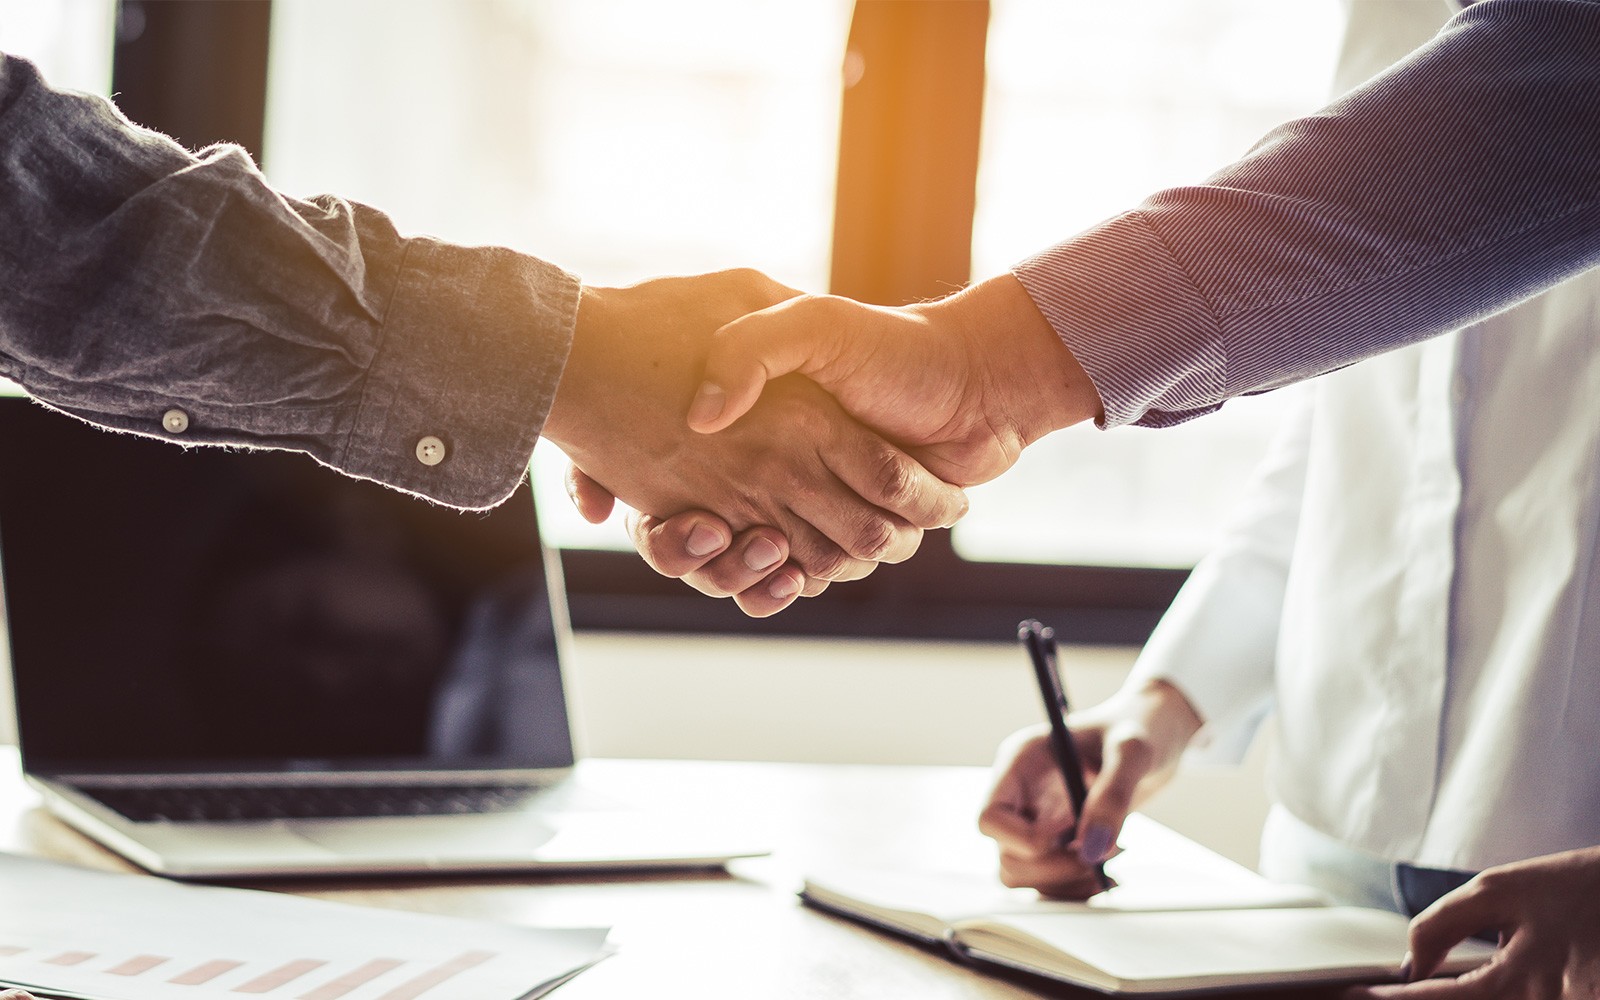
799	335
1125	763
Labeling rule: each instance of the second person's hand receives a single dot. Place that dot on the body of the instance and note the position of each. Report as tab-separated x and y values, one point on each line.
844	498
964	383
1130	745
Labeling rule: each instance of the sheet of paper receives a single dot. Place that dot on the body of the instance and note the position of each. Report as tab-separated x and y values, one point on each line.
137	937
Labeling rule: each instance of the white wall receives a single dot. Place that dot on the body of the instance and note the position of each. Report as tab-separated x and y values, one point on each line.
866	701
856	701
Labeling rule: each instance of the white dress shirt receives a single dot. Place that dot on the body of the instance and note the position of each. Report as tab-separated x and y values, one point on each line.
1413	582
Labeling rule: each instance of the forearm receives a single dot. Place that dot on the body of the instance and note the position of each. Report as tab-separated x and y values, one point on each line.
1218	642
1456	184
140	279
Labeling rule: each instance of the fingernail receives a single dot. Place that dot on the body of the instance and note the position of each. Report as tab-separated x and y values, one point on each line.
1407	971
762	554
703	540
1096	844
965	506
708	404
784	586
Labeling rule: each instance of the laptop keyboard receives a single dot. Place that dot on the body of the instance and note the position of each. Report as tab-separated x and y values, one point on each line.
301	802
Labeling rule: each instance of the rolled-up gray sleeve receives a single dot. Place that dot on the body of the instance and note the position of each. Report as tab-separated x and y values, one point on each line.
138	279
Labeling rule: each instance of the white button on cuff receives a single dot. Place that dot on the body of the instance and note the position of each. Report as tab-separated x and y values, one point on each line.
430	450
175	421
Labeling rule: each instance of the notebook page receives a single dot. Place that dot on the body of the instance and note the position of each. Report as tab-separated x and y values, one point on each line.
1175	951
1158	869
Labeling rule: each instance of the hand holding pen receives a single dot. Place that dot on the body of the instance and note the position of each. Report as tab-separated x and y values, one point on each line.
1129	746
1040	642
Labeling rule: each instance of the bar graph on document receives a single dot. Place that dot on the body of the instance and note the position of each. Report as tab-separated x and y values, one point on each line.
132	937
298	978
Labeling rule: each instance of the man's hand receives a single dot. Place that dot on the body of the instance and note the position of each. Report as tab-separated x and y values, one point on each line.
15	995
1129	744
1547	911
699	548
842	497
964	383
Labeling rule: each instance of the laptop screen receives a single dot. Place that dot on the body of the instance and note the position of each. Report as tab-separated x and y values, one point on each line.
183	610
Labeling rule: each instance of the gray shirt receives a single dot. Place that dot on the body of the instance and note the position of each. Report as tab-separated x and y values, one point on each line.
138	279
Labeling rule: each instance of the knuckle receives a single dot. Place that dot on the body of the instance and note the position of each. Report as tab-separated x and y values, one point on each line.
725	579
700	585
827	563
873	538
1488	884
1136	753
907	540
708	585
1011	879
854	569
1114	798
1019	849
648	546
893	479
1491	891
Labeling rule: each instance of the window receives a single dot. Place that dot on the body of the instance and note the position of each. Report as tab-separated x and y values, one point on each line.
1090	107
627	138
618	138
69	40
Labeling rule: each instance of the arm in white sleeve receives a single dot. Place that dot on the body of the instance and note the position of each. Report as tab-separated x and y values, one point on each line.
1218	642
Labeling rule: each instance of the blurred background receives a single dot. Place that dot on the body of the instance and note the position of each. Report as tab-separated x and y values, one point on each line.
888	149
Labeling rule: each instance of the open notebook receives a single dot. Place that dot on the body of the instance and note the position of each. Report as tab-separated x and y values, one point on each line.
1181	919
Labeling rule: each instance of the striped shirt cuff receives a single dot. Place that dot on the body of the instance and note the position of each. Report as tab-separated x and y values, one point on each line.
1134	320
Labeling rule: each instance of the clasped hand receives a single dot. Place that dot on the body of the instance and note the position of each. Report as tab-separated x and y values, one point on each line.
960	386
831	498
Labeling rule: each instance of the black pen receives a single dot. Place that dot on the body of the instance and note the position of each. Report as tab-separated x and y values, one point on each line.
1040	641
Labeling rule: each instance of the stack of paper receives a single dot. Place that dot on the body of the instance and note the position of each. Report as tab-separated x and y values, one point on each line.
71	931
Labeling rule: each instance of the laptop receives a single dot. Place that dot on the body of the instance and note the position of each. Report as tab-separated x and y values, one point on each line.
236	664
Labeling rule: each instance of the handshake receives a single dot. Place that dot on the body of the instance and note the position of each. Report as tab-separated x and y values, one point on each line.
775	442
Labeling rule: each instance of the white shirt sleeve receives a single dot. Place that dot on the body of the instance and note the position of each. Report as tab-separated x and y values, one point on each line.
1218	642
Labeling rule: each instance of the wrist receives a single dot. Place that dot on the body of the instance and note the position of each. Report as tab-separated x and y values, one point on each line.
1173	718
575	405
1031	382
1156	707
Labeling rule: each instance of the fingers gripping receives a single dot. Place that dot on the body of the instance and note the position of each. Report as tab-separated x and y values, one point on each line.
886	476
694	546
678	546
